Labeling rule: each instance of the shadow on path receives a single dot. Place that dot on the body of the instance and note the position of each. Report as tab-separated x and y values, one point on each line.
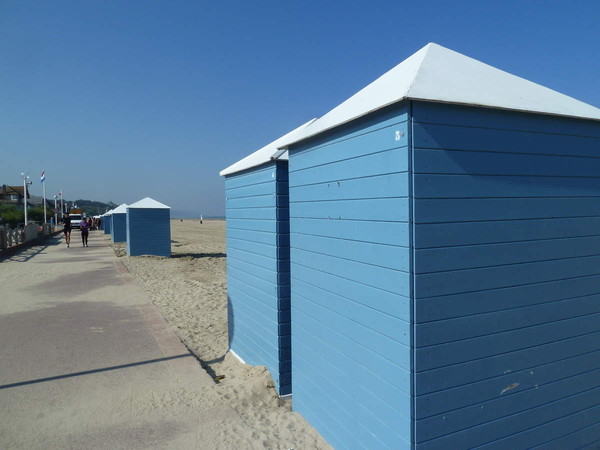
28	252
89	372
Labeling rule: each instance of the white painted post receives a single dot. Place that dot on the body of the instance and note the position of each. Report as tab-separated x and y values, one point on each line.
44	204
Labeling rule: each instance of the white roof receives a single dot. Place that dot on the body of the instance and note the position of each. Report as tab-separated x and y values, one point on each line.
108	213
121	209
267	153
438	74
148	203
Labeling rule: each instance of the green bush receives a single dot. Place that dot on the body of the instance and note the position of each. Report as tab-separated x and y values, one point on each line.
37	214
11	215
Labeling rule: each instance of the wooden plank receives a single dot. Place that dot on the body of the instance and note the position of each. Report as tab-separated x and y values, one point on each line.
385	368
475	256
257	201
263	237
464	304
349	189
270	226
267	250
386	324
397	258
475	393
266	174
253	258
395	115
382	209
267	213
442	331
449	137
586	435
387	302
374	433
355	331
374	164
245	278
471	116
377	415
267	188
267	275
506	426
389	233
503	186
503	406
477	162
320	417
379	277
471	280
333	416
498	343
469	233
308	347
481	209
248	293
448	377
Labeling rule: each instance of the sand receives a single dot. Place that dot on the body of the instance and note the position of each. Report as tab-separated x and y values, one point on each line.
190	290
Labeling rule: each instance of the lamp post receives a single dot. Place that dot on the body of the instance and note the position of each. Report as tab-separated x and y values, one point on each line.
55	214
25	183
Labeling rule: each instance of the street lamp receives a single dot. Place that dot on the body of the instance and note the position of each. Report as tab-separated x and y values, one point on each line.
55	213
25	183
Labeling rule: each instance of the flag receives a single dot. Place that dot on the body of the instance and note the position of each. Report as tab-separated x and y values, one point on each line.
60	194
43	177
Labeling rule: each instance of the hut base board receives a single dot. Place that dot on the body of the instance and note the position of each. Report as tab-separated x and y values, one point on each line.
237	356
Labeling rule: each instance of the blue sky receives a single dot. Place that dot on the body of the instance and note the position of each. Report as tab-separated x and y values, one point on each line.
119	100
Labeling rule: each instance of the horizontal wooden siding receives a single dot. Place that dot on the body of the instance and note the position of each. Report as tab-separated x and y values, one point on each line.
350	270
148	232
118	227
507	279
258	281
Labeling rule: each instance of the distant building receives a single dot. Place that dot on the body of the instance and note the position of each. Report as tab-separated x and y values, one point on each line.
12	195
37	201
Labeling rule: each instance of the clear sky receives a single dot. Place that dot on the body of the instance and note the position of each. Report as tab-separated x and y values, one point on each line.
119	100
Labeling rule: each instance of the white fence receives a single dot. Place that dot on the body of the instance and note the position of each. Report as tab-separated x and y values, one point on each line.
9	237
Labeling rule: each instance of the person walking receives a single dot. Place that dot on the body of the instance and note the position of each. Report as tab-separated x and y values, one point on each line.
66	221
85	231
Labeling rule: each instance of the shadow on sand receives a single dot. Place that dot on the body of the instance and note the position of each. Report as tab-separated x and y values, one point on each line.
199	255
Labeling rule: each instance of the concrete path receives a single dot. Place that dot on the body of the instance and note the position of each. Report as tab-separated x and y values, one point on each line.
86	362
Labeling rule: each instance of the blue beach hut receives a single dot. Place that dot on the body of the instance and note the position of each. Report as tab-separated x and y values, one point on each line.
258	273
148	228
444	262
106	222
118	223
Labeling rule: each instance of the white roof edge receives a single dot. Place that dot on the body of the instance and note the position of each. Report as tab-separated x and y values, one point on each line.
121	209
437	74
147	203
265	154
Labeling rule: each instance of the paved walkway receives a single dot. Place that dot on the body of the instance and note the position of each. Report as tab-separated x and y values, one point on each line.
87	362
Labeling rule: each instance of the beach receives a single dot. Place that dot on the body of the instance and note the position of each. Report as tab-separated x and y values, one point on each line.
190	290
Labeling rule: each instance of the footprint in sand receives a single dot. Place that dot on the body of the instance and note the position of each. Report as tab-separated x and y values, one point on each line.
97	329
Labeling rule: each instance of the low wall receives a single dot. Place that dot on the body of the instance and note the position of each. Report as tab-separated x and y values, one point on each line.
23	236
